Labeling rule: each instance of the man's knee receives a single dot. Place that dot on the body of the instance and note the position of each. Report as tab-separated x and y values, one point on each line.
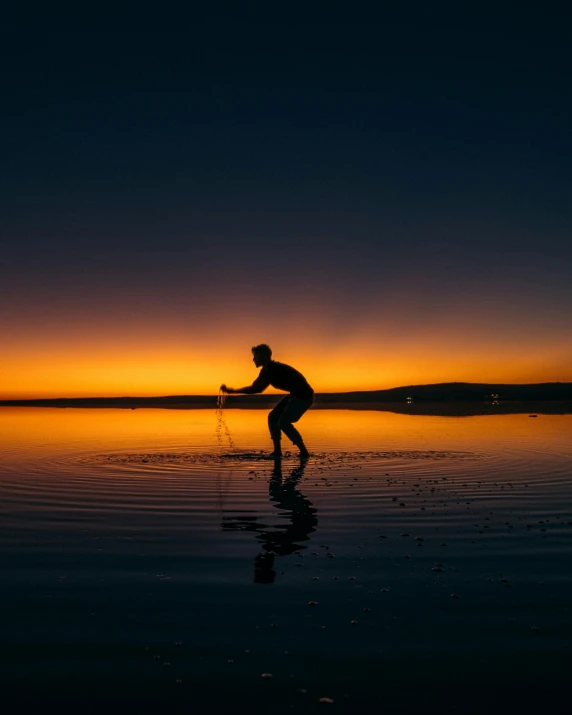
283	422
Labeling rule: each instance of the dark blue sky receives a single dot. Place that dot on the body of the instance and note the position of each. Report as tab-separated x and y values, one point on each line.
309	166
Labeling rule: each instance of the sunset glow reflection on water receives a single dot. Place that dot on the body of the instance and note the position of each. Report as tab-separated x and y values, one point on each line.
124	532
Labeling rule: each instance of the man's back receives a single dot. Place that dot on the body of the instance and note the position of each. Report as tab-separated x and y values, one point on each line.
285	377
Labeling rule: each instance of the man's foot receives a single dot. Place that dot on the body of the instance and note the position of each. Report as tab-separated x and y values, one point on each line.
304	454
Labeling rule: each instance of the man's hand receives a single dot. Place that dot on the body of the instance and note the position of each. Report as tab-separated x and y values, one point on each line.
226	389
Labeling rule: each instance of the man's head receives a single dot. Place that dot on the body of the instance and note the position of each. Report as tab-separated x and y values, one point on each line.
262	355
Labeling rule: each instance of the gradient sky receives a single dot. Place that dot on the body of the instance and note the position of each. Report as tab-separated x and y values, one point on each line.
383	199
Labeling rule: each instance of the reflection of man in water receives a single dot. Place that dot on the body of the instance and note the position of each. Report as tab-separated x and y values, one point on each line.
279	541
290	408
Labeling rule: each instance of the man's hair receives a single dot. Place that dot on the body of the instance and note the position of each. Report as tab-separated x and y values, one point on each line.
263	350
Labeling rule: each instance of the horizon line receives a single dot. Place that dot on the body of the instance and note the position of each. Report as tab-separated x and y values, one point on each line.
212	395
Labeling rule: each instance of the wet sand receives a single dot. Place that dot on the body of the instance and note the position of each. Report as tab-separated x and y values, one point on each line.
413	564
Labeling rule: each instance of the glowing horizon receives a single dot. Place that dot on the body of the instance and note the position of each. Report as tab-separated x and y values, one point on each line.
122	369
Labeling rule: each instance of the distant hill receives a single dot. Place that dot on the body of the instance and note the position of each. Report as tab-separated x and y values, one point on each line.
461	391
466	392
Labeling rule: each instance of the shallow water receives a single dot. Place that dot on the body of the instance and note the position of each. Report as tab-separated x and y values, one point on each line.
147	563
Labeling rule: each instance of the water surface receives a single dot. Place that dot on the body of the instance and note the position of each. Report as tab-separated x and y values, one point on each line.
148	563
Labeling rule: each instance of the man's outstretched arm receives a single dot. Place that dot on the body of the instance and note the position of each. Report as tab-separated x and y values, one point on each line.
259	385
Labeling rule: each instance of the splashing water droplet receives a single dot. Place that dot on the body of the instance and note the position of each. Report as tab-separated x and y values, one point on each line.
222	430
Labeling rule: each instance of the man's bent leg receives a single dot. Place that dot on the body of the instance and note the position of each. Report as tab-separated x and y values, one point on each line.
295	408
274	424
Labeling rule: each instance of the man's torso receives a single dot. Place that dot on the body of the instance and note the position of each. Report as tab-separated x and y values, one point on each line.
284	377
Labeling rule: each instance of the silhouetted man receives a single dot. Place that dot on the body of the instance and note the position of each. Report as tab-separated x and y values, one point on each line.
290	408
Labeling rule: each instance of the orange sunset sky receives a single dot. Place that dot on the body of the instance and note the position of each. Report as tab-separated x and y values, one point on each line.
151	357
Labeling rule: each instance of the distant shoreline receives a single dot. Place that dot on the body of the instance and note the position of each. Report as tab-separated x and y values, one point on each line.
412	396
343	401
